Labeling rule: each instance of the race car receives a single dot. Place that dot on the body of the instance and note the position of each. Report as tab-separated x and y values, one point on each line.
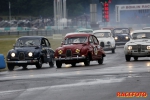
121	35
106	39
75	48
138	46
30	50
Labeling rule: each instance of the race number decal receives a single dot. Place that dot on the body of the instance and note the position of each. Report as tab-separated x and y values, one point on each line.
95	51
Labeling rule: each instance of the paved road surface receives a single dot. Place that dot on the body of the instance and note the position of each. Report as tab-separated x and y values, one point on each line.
95	82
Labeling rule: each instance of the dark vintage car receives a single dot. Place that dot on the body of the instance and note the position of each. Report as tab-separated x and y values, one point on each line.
121	35
75	48
30	50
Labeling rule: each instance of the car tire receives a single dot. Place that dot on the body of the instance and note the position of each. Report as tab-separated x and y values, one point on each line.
39	64
87	61
24	67
113	50
73	64
127	57
100	61
51	64
58	64
10	67
136	58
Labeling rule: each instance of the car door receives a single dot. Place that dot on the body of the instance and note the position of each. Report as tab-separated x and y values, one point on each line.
45	50
91	46
48	55
97	50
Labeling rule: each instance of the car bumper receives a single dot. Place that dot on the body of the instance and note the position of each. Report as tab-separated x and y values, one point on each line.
121	43
139	54
70	58
107	48
23	62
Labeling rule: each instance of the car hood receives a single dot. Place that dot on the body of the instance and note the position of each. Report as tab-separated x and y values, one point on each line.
24	49
139	41
121	35
72	46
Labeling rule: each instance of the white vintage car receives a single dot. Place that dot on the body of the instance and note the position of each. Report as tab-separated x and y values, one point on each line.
138	46
106	39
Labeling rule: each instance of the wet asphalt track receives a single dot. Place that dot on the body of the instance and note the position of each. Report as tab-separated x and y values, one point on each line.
95	82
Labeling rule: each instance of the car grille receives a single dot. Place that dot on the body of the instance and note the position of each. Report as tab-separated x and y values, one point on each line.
68	53
21	56
139	47
102	44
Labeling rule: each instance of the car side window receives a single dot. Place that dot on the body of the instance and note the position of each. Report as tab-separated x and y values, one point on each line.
91	39
43	43
95	40
47	43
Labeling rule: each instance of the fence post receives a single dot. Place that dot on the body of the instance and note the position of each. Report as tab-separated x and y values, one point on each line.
9	33
46	32
27	33
18	33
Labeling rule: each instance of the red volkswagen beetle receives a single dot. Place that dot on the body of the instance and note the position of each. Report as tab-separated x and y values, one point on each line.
79	47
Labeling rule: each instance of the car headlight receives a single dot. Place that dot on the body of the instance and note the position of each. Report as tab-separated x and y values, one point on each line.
30	54
116	38
13	54
129	47
60	51
127	37
77	51
148	47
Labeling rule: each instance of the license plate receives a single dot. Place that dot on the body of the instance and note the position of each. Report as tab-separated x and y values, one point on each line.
68	58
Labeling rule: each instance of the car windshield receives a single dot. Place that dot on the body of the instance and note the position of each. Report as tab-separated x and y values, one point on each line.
72	40
141	35
102	34
28	42
121	31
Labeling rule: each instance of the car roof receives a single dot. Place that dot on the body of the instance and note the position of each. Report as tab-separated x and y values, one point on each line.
138	31
121	28
40	37
146	28
77	34
101	31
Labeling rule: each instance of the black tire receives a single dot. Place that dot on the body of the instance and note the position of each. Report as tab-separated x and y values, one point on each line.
136	58
87	61
10	67
39	64
127	57
73	64
58	64
51	64
100	61
24	67
113	50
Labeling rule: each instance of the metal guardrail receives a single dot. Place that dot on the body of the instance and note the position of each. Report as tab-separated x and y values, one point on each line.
37	32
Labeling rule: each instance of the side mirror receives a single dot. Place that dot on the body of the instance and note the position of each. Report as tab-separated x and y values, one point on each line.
62	42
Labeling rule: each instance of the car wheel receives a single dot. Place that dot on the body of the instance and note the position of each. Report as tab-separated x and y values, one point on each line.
87	61
10	67
100	61
58	64
39	64
113	50
136	58
24	67
51	64
127	57
73	64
